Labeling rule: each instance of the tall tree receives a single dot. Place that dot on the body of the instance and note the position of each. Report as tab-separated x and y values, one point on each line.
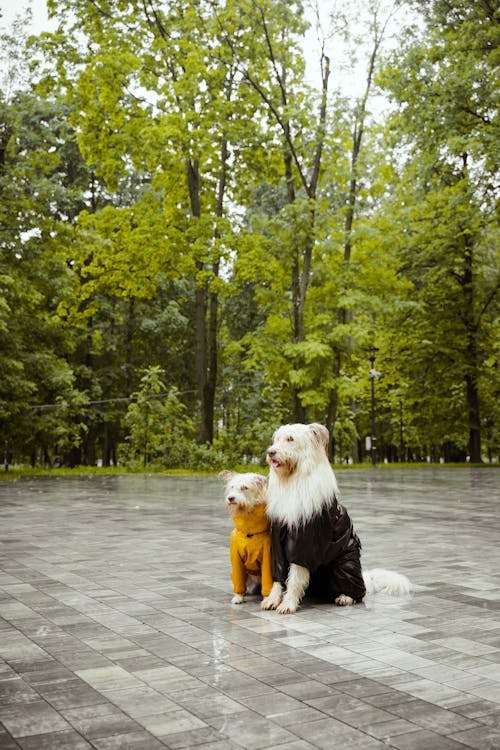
377	22
271	62
446	84
155	88
40	189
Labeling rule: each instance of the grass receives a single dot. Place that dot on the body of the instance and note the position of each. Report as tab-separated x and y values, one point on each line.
16	472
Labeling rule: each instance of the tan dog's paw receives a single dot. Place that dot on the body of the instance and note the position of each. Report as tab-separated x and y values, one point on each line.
273	600
344	601
237	599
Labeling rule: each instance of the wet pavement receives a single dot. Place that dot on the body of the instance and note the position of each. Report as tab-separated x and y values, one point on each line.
117	631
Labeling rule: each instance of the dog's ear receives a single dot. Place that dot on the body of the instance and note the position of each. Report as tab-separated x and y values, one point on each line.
261	480
226	475
260	484
321	434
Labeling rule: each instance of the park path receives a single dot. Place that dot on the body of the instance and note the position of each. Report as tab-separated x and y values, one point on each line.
117	632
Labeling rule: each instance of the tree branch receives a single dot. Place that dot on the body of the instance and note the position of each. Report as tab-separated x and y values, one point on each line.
100	10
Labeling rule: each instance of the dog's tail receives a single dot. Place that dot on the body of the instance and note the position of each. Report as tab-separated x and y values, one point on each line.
387	581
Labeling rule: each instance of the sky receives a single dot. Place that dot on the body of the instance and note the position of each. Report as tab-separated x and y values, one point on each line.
349	65
10	8
347	75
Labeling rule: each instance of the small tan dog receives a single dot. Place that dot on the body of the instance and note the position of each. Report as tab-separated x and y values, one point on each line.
250	540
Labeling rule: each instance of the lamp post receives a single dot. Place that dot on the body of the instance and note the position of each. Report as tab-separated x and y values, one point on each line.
401	433
373	374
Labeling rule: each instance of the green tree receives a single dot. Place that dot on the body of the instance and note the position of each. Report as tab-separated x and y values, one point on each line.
173	192
159	428
271	63
315	268
40	191
445	81
156	91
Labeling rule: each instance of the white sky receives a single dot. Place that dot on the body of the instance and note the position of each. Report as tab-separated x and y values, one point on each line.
11	8
349	76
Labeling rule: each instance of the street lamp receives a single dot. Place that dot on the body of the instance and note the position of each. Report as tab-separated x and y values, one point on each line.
373	374
401	433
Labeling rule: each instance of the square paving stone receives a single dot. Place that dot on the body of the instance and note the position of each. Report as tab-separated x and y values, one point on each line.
33	718
131	741
99	720
55	741
171	722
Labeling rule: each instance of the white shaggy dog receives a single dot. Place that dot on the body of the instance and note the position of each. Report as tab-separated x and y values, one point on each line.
250	540
314	545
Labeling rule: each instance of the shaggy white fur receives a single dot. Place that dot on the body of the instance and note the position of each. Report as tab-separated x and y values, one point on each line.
243	490
301	481
386	581
296	586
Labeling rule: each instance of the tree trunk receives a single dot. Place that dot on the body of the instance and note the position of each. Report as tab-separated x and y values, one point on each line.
210	384
200	314
345	315
330	421
211	364
207	301
201	355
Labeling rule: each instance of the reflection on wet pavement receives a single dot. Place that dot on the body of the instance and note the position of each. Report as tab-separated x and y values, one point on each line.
117	630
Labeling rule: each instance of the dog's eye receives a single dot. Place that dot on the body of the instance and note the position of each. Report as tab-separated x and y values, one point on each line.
290	438
243	488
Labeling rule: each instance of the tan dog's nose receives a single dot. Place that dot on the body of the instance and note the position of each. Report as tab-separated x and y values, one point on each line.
271	452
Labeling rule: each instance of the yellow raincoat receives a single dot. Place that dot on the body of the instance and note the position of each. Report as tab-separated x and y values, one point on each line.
250	548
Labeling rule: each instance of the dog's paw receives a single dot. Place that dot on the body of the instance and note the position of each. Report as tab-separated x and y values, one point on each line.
269	602
288	606
273	599
237	599
344	601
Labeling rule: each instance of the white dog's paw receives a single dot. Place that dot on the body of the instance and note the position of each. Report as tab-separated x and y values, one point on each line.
237	599
344	601
288	606
268	603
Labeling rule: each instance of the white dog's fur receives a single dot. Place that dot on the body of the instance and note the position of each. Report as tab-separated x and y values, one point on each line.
301	477
387	581
301	481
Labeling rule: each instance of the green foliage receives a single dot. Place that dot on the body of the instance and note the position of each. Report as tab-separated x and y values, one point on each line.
159	428
172	192
41	175
445	207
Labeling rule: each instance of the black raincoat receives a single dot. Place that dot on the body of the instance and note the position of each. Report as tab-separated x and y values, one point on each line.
328	547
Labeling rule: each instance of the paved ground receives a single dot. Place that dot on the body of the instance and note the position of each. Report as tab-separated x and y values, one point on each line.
117	632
